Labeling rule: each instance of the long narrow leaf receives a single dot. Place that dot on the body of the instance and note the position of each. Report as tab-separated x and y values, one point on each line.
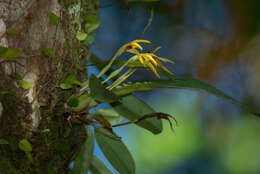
181	83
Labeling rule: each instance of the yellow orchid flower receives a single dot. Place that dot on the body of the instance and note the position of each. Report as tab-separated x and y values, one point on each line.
149	59
127	47
135	44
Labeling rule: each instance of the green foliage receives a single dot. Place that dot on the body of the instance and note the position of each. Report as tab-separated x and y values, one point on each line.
181	83
3	50
73	102
109	114
99	92
89	40
116	152
3	93
81	36
132	108
25	84
3	141
53	19
83	160
65	86
98	167
13	31
92	23
10	53
48	52
24	145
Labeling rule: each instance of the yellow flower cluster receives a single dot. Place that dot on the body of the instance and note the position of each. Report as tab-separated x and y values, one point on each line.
148	59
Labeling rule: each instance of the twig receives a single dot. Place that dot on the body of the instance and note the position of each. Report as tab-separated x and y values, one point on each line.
148	24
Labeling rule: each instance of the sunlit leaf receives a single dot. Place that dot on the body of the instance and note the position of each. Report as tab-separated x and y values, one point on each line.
81	36
133	108
84	157
98	167
53	19
116	152
25	84
24	145
13	31
11	54
65	86
99	92
109	114
181	83
3	141
48	52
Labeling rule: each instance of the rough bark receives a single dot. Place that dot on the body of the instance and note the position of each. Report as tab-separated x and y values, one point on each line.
20	114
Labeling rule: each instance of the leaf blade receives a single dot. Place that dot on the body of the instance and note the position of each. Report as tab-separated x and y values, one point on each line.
180	83
84	157
133	108
98	167
99	92
116	152
25	145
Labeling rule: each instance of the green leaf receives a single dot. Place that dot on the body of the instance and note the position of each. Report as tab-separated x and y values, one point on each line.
11	54
81	36
53	19
3	50
13	31
73	102
24	145
181	83
73	80
18	76
67	132
40	105
89	40
48	52
65	86
3	93
98	167
116	152
109	114
25	84
84	157
99	92
91	24
132	108
3	141
85	102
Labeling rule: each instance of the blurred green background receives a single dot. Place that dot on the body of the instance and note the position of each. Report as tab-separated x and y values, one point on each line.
216	41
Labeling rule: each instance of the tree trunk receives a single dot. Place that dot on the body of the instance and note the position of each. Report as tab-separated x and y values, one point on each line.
38	113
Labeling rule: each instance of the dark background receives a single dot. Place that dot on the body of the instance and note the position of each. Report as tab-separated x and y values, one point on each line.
216	41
